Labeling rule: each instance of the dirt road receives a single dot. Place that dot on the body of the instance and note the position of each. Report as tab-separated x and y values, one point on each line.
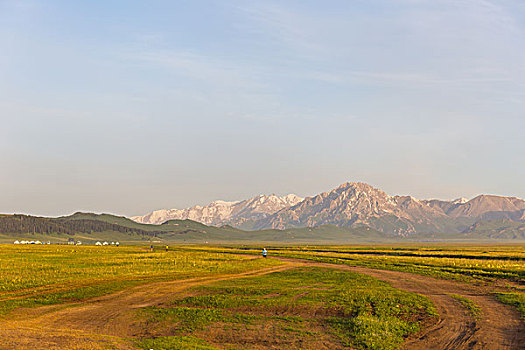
106	322
498	328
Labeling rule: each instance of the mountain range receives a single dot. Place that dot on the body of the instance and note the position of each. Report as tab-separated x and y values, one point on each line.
352	212
241	214
357	205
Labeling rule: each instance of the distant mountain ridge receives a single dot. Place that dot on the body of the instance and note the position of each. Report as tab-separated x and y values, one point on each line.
357	204
352	205
241	214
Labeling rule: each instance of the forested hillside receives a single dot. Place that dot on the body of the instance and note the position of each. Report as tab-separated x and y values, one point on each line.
32	224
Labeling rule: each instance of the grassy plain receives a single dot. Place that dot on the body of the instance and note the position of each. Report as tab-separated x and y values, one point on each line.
34	275
294	309
300	307
502	266
506	262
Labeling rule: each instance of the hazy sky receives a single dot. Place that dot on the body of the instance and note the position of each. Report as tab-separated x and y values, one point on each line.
129	106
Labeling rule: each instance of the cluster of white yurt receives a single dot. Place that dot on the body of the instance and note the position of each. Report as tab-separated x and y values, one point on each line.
27	242
108	243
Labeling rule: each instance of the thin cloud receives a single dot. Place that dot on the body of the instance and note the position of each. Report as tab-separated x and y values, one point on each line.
445	42
196	66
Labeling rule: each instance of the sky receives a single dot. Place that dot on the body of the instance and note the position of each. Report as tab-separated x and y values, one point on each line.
130	106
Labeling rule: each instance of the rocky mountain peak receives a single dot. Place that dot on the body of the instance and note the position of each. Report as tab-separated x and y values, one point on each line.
357	203
485	203
357	188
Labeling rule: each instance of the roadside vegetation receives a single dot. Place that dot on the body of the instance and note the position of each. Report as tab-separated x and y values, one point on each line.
514	299
469	305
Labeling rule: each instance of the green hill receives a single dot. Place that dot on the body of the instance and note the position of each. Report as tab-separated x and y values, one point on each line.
497	229
89	228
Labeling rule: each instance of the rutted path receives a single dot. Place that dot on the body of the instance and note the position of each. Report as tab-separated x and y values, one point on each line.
99	323
499	327
104	322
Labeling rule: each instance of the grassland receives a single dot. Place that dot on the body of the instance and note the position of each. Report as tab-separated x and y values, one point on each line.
52	274
506	262
293	309
227	297
502	265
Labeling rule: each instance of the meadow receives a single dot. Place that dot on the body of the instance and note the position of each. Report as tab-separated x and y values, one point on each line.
36	275
466	263
498	266
229	297
294	309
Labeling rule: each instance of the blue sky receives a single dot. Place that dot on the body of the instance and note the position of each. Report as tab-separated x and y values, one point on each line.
130	106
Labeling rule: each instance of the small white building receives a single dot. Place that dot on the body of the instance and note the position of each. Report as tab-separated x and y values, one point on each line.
16	242
105	243
98	243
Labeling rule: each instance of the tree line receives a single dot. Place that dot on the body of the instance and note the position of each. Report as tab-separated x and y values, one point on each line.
31	224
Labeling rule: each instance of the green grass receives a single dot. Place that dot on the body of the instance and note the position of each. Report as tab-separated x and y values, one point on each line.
175	342
515	299
452	262
297	307
370	332
483	264
473	308
45	275
188	319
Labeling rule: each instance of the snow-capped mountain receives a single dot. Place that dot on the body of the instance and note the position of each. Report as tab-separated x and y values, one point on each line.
219	213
